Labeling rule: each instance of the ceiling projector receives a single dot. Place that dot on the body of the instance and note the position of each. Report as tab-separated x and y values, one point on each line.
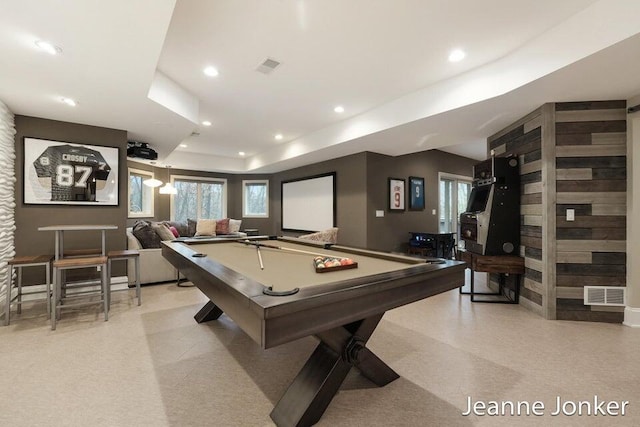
141	150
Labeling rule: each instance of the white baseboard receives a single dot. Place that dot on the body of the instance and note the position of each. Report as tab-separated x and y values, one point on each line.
631	317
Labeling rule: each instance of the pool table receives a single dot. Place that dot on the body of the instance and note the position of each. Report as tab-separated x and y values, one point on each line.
287	299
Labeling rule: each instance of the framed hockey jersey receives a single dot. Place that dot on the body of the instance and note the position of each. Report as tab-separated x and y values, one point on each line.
70	174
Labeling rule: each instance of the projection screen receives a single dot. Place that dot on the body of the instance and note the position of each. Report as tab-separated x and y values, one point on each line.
309	204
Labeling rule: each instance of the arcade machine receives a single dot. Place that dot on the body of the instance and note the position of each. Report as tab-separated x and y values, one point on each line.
491	224
490	228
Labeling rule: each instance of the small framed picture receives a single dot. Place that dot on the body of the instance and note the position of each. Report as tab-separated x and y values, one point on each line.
396	194
416	193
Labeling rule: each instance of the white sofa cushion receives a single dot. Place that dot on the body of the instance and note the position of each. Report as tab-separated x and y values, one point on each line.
234	225
162	231
206	227
154	267
132	242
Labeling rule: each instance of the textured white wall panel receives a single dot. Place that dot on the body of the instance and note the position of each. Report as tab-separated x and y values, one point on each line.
7	200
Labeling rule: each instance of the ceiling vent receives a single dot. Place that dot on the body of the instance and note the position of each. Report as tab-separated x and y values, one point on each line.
268	66
604	295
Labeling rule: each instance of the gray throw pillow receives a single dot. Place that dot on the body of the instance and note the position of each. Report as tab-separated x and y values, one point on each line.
191	227
146	235
182	227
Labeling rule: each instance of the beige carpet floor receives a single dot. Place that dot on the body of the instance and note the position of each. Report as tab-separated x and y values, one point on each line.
154	366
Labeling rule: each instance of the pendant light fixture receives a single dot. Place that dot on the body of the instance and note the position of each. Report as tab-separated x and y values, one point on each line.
168	188
152	182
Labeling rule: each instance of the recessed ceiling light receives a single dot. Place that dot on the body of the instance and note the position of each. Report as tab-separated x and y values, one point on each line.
48	47
211	71
457	55
206	123
339	109
183	145
70	102
278	136
242	153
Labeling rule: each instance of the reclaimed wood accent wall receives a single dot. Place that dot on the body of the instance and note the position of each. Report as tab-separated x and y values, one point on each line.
523	139
572	156
591	179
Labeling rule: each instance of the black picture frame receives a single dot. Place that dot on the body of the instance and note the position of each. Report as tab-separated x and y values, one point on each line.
67	173
416	193
397	194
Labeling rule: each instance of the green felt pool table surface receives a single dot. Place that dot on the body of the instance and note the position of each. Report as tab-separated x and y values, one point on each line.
285	269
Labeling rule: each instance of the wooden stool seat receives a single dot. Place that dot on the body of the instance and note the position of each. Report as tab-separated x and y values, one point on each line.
30	259
66	263
59	298
126	255
18	263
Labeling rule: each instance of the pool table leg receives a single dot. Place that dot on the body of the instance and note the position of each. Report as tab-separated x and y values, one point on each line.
210	311
339	350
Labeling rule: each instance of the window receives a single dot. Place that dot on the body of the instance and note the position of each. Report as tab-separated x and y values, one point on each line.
454	193
198	198
140	195
255	199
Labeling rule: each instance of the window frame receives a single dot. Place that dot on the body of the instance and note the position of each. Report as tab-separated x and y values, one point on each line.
198	180
456	179
246	182
151	194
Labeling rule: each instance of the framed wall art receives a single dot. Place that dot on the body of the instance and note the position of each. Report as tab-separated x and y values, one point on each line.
396	194
63	173
416	193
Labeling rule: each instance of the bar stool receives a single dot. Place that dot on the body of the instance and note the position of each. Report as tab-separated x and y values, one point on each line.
124	255
18	263
59	302
77	253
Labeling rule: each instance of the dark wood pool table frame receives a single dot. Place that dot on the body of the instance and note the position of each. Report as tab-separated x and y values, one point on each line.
342	315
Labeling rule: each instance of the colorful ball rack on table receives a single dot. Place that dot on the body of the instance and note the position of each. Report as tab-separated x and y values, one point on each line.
325	264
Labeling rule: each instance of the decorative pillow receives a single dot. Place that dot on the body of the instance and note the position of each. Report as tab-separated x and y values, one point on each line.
181	227
206	227
222	226
328	236
234	225
174	231
146	235
162	231
191	228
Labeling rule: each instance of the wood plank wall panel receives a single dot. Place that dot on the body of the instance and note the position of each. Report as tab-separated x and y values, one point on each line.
549	210
523	139
591	179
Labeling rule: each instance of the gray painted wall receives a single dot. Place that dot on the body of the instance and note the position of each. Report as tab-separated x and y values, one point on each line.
391	232
351	184
30	241
362	188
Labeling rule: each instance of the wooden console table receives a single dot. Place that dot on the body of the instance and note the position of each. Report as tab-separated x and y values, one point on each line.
500	264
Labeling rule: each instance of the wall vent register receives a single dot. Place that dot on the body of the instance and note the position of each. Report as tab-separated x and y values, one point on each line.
604	295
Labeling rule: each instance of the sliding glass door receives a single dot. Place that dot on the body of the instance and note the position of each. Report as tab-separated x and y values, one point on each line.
453	196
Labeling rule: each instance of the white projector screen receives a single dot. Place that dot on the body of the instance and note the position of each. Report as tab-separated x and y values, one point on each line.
309	204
